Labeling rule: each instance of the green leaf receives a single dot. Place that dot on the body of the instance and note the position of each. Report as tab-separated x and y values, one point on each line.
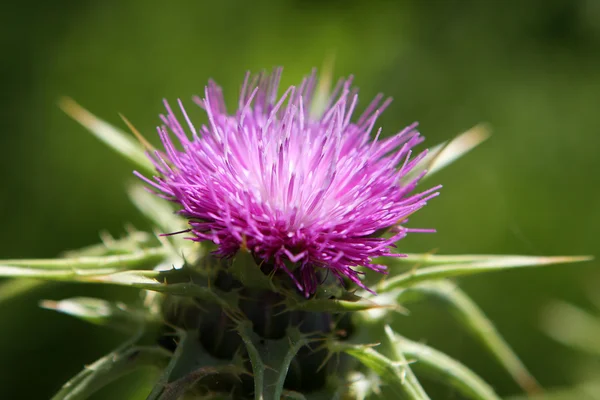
77	269
244	269
445	369
270	359
100	312
176	389
11	271
118	140
466	265
188	364
159	211
573	327
184	360
393	373
134	240
111	367
148	280
332	306
475	321
426	259
446	153
17	287
140	279
398	355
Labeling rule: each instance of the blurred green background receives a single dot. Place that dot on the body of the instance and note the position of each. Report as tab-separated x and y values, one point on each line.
531	69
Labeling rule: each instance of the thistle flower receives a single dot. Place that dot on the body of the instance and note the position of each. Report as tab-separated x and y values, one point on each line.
309	191
306	193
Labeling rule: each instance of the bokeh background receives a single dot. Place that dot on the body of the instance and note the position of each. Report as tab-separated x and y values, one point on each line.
531	69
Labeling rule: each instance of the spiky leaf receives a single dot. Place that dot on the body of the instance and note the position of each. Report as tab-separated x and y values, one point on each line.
73	269
157	210
393	373
440	367
470	316
159	281
115	315
16	287
190	363
453	266
270	359
331	305
134	240
118	140
398	355
446	153
111	367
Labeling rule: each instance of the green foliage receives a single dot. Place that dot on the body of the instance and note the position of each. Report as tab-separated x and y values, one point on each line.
189	364
184	290
113	366
118	316
469	315
270	359
119	141
454	266
438	366
395	373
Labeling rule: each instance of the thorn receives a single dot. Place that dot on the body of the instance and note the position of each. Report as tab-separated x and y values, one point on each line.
176	233
272	369
49	304
130	228
244	244
325	361
106	238
137	134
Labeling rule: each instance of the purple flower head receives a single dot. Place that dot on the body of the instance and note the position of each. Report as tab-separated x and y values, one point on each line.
306	194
